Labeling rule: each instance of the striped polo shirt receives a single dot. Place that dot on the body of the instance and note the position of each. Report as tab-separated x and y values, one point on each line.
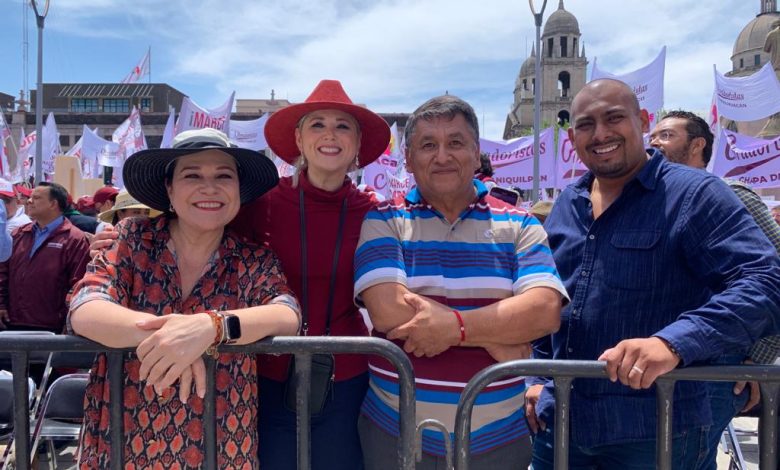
491	252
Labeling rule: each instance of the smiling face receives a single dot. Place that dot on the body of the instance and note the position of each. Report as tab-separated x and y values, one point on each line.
672	138
329	140
204	190
607	130
443	156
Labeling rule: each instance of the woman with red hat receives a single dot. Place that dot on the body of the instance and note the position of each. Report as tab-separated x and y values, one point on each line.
312	221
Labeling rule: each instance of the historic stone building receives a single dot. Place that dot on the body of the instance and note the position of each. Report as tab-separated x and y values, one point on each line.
563	75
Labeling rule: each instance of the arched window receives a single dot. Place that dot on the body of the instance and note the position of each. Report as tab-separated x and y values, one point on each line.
564	83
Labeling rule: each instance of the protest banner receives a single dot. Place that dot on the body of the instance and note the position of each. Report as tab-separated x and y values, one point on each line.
753	161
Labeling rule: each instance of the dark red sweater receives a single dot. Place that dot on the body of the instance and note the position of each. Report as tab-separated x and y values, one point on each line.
274	219
34	290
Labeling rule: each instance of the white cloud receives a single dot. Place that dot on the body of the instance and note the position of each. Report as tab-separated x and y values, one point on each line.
393	54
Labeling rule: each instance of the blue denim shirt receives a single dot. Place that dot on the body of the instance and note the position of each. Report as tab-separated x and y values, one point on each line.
675	256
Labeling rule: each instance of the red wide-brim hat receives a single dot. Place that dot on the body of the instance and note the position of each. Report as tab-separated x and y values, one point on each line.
328	94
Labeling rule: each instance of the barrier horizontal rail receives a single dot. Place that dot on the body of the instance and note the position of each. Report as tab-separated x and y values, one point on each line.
302	347
565	371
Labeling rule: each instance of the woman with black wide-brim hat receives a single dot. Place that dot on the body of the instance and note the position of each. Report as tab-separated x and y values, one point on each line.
312	221
174	287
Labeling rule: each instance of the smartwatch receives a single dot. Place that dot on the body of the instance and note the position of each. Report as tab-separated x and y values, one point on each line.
231	328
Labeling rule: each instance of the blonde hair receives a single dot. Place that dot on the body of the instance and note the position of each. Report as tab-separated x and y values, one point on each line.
301	163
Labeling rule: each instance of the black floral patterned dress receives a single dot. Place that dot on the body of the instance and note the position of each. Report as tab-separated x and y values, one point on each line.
140	273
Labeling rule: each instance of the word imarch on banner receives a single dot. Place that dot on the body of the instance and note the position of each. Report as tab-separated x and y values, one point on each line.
755	162
193	116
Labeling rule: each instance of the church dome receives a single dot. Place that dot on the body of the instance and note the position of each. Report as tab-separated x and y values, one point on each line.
529	67
753	35
561	22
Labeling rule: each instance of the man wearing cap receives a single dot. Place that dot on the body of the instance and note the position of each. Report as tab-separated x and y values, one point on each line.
49	256
461	280
13	210
105	198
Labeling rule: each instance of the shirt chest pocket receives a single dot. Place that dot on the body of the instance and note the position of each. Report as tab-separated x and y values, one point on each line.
631	260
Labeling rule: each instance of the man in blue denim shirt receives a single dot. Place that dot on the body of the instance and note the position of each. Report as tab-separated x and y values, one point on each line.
664	267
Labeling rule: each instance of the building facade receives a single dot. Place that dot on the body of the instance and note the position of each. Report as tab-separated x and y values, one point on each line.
564	67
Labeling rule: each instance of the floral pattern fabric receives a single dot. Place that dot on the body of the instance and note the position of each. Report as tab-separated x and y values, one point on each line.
140	273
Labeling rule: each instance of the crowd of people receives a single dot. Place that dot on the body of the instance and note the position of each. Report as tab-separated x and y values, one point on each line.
647	263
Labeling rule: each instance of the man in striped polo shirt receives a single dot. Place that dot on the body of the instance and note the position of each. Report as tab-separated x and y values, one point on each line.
461	280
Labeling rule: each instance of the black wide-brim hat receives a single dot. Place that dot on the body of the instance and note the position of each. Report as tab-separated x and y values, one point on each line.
144	171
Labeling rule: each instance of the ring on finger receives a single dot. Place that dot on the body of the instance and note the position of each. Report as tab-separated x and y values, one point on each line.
637	369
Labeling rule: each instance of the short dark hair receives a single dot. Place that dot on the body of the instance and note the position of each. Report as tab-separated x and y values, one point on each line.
695	127
485	166
58	193
447	106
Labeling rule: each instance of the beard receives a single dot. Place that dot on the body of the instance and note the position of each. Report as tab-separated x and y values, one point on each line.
681	155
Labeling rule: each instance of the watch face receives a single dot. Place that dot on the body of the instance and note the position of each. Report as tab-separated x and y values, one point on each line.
233	327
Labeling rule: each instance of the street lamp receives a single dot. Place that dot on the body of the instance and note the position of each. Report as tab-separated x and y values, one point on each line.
537	93
40	16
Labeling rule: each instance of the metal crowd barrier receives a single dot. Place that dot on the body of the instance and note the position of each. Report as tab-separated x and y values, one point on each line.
302	348
564	372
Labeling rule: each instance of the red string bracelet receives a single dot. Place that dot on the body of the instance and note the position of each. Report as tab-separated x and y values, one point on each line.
462	326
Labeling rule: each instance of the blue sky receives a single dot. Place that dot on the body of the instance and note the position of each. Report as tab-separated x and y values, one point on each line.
390	54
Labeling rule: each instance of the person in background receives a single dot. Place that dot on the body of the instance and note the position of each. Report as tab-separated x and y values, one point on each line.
104	198
125	206
776	214
175	287
14	211
685	138
485	171
541	210
49	256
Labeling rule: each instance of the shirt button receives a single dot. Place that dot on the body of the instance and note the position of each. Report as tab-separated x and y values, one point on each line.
584	274
592	237
570	349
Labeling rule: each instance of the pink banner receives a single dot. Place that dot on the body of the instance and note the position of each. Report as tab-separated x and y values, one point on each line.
752	161
568	166
513	161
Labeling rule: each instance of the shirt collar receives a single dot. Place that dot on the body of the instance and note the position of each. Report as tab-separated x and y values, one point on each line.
647	176
414	196
50	226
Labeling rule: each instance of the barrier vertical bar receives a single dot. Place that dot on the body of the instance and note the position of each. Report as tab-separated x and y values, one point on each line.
664	398
768	425
20	369
116	382
303	413
562	404
210	415
406	407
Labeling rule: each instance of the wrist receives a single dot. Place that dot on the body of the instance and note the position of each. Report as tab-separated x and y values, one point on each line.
461	331
671	349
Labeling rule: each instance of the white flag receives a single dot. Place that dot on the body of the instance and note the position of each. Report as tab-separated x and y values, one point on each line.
249	134
193	116
5	143
130	135
647	83
23	156
139	71
50	144
92	151
748	98
167	136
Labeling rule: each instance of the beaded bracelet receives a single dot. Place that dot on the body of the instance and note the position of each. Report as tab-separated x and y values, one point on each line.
216	319
462	326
